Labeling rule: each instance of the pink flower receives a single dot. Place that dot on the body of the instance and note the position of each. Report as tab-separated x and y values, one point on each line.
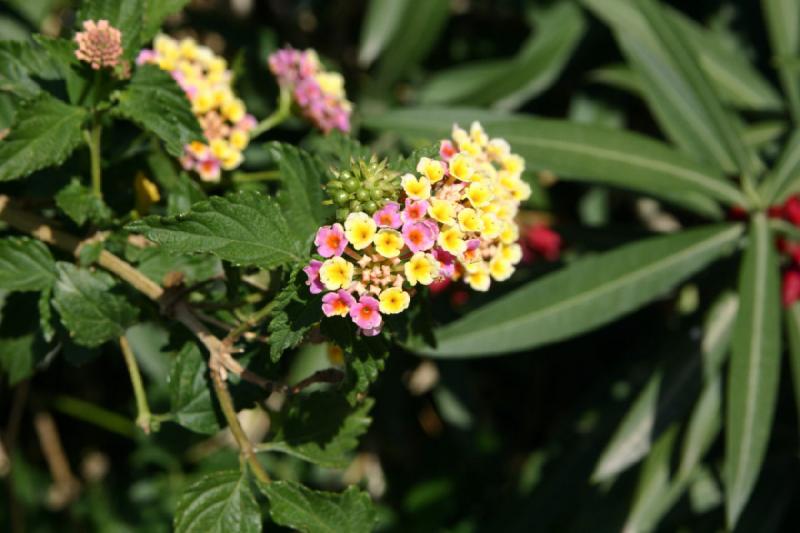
337	303
414	211
313	282
388	216
366	314
330	240
146	56
99	45
447	262
371	332
471	253
447	150
419	236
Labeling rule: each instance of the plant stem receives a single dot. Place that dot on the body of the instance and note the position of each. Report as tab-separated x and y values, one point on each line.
267	175
93	140
750	191
143	409
88	412
251	322
280	114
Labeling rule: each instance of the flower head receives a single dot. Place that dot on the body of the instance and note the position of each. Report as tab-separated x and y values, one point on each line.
366	313
388	242
336	273
414	211
360	230
330	240
394	300
337	303
416	188
388	216
419	236
422	268
312	271
100	44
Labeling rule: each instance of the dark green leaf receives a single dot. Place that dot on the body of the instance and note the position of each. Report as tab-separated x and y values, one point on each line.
296	311
156	11
782	18
365	357
587	294
583	152
782	180
155	102
21	61
383	19
220	502
18	357
293	505
190	392
754	368
245	228
91	313
321	427
80	204
45	132
25	265
155	263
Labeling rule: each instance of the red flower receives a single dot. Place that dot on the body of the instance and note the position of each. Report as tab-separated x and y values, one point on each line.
791	287
791	210
544	241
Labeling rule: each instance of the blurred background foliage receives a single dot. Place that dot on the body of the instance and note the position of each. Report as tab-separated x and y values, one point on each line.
505	443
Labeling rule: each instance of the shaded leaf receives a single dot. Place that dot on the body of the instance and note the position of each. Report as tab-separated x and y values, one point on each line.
783	24
295	313
25	265
220	502
155	12
191	404
382	20
80	204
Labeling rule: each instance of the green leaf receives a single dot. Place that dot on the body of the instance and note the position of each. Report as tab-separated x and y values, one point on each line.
293	505
296	312
583	152
20	62
669	392
156	12
585	295
365	357
125	16
782	181
155	263
424	19
301	192
507	84
25	265
321	427
80	204
191	404
154	101
783	24
18	357
45	132
754	369
678	92
91	313
793	332
383	19
246	228
220	502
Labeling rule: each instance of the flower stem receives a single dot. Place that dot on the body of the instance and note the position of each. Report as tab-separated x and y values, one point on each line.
93	140
143	415
266	175
279	115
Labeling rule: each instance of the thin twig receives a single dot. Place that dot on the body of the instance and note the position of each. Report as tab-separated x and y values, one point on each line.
327	375
142	408
65	487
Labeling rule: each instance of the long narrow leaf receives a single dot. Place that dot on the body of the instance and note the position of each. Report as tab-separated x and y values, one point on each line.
784	178
383	19
582	152
753	378
783	22
585	295
793	330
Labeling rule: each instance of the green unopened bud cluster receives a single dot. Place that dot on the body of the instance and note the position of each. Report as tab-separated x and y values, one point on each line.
366	186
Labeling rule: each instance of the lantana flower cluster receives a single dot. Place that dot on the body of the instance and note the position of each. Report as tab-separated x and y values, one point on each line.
100	44
319	94
455	219
207	82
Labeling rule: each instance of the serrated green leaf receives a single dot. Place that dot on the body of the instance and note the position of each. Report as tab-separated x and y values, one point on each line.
381	22
155	263
156	11
582	152
220	502
669	393
25	265
18	357
295	313
296	506
45	132
783	24
587	294
301	195
321	428
754	369
20	62
80	204
190	392
125	16
677	91
246	228
91	313
507	84
154	101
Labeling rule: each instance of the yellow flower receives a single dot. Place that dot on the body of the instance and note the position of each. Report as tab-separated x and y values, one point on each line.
233	110
388	242
422	268
231	159
217	65
336	273
219	148
394	300
468	220
203	100
188	48
511	253
146	193
477	134
452	241
331	83
459	135
443	211
479	194
498	149
359	228
461	168
416	188
491	226
477	276
513	163
197	149
239	139
165	46
509	232
521	191
432	169
500	269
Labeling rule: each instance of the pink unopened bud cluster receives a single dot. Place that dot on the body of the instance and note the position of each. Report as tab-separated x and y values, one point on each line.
99	45
318	93
457	221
